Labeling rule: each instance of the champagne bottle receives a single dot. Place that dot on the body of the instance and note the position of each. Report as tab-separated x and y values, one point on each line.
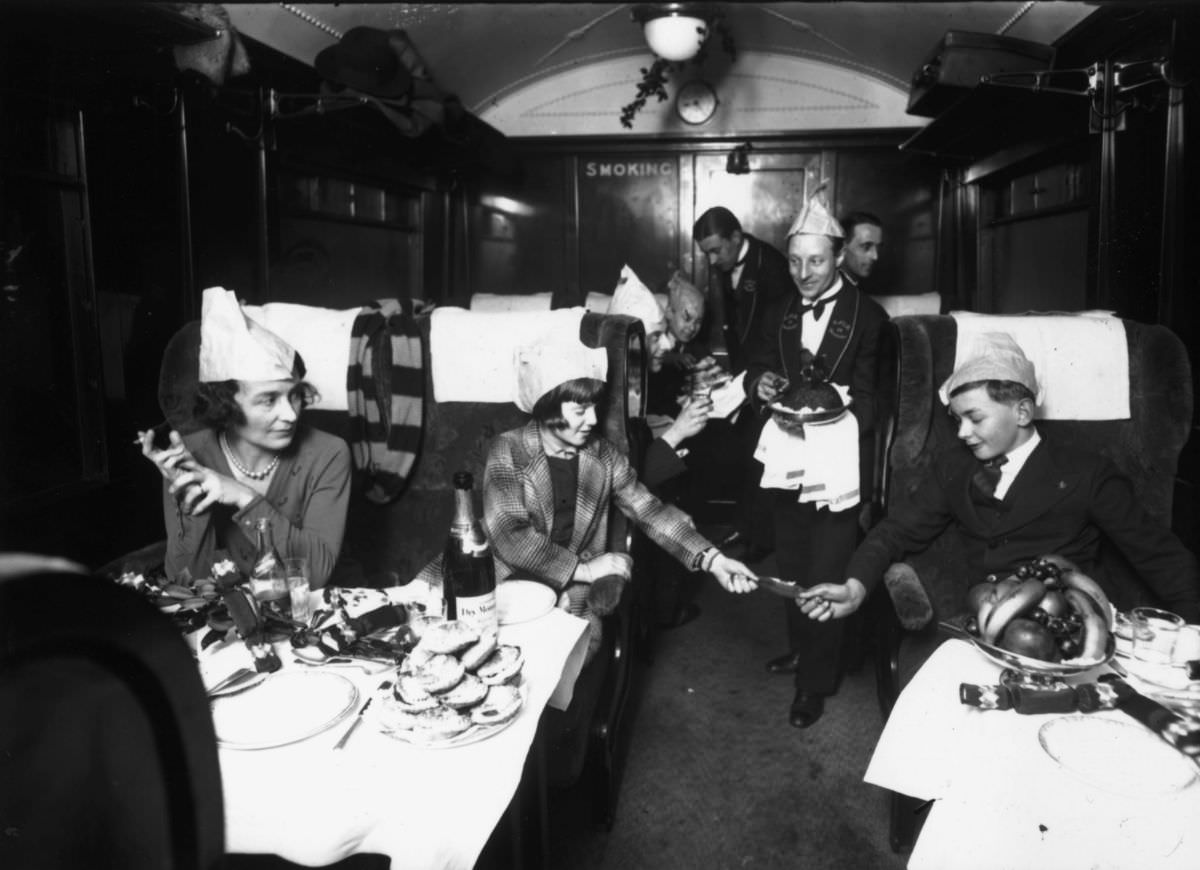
268	578
468	575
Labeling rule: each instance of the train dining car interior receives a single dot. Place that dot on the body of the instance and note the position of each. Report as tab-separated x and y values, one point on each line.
606	374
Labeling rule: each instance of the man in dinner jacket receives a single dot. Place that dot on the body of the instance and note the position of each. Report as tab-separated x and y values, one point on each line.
822	315
1046	498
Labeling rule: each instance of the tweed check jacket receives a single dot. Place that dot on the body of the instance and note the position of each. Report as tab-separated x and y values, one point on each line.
518	508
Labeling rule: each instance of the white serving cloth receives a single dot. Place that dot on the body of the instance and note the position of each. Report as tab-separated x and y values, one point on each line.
472	353
822	465
1081	359
1000	799
322	338
314	806
511	302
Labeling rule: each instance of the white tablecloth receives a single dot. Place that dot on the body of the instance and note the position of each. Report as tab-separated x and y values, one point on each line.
1001	801
426	808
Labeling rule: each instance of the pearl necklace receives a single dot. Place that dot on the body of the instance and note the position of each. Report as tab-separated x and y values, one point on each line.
243	470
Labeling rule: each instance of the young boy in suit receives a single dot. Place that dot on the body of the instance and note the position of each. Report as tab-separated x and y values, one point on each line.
1015	496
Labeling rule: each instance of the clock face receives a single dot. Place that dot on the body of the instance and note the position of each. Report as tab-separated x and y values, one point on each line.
696	102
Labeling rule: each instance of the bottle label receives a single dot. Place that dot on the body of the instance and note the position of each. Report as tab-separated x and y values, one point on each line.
479	612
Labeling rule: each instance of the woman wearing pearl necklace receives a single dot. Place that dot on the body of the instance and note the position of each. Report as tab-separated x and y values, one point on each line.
253	456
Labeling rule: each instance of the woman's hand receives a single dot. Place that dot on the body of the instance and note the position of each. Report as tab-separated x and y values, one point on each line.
827	601
691	420
733	575
169	460
199	488
604	565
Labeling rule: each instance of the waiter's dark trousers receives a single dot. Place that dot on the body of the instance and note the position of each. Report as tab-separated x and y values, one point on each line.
813	546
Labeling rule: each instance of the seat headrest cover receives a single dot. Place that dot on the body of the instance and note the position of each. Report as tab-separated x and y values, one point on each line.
994	356
543	367
235	347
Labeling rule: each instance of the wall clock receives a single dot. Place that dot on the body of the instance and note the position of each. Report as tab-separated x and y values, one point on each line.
696	102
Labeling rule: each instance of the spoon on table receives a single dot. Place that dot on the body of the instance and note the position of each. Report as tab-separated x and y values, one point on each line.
367	666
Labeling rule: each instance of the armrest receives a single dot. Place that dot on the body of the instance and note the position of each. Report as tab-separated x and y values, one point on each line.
909	598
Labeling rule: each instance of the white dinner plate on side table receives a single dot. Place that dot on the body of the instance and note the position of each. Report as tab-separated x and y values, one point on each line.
288	707
1121	757
523	600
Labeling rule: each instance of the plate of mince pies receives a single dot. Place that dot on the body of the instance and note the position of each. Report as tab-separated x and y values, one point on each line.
456	687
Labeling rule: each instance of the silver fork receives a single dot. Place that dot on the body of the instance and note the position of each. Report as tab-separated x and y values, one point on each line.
336	661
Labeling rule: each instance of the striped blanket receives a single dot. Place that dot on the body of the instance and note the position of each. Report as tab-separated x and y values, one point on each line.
385	390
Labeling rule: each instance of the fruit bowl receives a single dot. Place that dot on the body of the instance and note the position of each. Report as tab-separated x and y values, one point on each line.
1025	664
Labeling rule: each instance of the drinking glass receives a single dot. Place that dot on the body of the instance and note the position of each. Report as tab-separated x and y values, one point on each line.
298	590
1154	633
1187	644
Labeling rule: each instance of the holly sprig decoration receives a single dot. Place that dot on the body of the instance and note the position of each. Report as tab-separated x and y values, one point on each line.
656	76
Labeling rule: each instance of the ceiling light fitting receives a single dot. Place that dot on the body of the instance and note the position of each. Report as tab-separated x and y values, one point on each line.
674	31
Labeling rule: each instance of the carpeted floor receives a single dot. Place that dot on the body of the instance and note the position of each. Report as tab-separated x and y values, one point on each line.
717	778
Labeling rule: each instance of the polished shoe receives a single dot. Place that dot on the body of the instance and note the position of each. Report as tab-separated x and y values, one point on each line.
785	664
806	708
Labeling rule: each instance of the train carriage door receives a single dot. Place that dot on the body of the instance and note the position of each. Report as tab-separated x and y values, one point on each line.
766	197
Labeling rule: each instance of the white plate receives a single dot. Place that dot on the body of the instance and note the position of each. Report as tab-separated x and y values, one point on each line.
523	600
1118	756
474	734
288	707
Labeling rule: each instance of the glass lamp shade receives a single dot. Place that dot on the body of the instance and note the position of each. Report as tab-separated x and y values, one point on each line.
675	37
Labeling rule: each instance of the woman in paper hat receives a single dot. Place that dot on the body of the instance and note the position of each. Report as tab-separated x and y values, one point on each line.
253	458
548	487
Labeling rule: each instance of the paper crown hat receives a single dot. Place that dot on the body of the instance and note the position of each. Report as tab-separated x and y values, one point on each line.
634	298
815	219
993	356
543	367
235	347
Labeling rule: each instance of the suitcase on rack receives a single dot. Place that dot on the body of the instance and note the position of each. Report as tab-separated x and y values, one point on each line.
955	65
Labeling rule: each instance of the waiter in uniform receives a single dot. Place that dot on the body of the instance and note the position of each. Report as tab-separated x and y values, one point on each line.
746	277
826	316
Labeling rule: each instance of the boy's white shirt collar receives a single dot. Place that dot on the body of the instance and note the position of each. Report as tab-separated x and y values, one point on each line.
1016	461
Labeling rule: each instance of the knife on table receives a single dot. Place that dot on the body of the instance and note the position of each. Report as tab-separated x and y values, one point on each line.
387	684
357	721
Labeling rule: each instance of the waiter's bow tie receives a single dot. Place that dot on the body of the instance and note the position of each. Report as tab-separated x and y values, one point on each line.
817	308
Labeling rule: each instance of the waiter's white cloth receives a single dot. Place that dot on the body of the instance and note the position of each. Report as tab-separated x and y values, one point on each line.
472	353
322	338
1081	359
314	806
1000	801
822	465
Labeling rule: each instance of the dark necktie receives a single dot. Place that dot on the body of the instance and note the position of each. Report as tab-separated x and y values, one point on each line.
817	308
987	476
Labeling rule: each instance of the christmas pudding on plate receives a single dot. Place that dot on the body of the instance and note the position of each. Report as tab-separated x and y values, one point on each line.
811	400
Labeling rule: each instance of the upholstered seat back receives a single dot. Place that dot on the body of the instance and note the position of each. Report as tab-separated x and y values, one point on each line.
403	536
1145	446
107	751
